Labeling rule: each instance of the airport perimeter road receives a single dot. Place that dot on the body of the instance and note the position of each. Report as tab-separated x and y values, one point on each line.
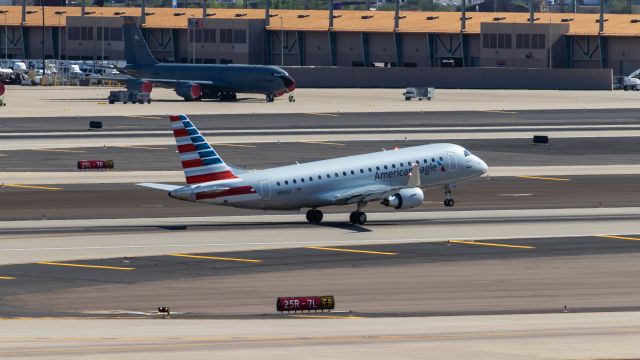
96	201
71	102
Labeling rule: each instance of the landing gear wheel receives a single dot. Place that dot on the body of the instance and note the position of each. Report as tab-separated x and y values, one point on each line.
314	216
449	202
270	98
358	218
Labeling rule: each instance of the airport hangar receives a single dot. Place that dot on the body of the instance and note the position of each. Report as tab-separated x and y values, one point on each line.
344	39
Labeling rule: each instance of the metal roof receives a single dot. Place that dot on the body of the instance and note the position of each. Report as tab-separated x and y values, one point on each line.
344	20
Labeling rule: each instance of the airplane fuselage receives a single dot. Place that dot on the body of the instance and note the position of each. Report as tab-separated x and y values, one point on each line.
254	79
319	183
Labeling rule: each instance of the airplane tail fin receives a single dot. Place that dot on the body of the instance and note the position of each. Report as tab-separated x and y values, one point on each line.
199	161
136	50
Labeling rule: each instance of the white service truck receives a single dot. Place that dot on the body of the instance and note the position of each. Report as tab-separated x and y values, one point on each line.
626	83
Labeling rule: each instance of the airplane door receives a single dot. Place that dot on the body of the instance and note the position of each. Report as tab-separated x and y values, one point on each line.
265	190
453	161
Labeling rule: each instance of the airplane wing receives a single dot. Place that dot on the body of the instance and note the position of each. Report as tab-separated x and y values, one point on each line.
166	187
371	192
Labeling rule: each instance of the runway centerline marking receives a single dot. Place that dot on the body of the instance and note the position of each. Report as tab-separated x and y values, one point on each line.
60	150
544	178
322	114
234	145
7	278
348	317
619	237
145	117
352	250
491	244
30	187
138	147
215	258
321	143
86	266
501	111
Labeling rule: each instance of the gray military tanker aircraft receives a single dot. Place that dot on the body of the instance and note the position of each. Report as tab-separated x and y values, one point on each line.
198	81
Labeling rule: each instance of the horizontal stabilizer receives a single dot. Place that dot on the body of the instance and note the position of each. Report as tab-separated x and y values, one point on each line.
166	187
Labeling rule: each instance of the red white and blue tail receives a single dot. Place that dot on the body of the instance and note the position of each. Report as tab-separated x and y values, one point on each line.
200	162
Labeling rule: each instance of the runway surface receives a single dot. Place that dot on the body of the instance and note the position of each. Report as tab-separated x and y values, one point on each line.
535	275
43	125
502	152
75	201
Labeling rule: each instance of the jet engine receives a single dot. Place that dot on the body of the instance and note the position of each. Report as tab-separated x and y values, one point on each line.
405	199
189	91
139	85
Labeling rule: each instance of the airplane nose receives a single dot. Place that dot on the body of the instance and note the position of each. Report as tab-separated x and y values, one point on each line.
482	166
289	83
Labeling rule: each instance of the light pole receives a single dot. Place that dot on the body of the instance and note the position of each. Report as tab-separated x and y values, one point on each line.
6	36
43	58
281	40
60	13
193	34
102	38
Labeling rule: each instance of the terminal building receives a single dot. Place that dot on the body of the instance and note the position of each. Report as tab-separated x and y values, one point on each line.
324	38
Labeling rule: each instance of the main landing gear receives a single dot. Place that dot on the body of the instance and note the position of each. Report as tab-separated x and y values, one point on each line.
314	216
358	217
270	97
448	201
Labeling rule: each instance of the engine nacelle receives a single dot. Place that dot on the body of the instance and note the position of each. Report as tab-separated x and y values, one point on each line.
405	199
139	85
189	91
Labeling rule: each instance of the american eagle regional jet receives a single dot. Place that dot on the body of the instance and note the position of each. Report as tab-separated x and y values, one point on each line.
395	178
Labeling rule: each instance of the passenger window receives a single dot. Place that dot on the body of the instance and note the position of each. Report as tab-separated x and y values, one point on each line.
336	174
301	179
294	181
319	177
393	166
286	182
385	167
440	158
278	183
310	178
362	171
344	173
328	176
424	161
433	160
370	170
378	168
353	172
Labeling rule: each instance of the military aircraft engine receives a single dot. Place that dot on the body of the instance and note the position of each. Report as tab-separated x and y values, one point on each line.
139	85
405	199
189	91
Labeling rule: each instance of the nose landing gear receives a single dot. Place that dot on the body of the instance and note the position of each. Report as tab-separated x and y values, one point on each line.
448	201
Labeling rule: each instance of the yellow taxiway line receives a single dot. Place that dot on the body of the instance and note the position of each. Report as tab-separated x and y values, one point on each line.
544	178
619	237
31	187
215	258
87	266
321	143
7	278
490	244
352	250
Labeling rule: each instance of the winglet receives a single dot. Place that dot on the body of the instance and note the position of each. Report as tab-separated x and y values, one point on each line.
414	176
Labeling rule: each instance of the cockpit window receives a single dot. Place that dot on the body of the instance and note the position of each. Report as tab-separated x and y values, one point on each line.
467	153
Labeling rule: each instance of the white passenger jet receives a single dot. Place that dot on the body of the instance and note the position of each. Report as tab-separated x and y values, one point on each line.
395	178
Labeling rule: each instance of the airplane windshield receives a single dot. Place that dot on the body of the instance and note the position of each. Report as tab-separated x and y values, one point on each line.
467	153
